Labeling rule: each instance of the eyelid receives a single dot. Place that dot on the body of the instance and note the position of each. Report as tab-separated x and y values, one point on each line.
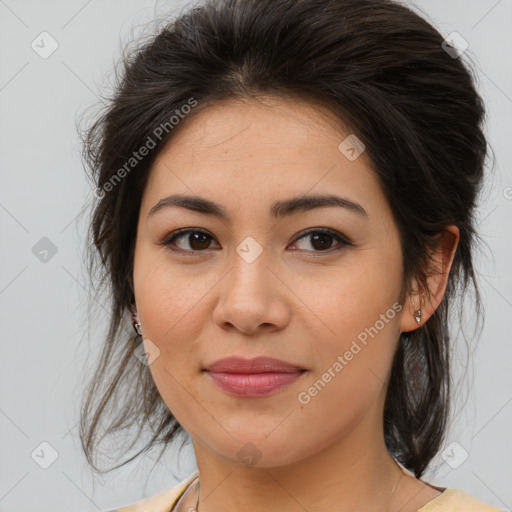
336	234
342	239
180	232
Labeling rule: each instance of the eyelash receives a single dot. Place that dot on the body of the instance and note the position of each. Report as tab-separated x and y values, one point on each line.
171	238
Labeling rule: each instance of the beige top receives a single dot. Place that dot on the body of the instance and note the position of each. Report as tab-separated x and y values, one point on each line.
450	500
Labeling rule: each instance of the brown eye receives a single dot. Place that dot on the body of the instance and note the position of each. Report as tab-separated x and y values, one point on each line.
321	240
194	240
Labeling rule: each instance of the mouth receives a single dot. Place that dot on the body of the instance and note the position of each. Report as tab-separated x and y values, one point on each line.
257	377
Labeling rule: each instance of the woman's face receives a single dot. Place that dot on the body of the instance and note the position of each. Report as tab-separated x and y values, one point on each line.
255	283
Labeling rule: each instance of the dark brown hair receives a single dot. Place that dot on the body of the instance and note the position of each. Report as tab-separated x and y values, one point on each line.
383	71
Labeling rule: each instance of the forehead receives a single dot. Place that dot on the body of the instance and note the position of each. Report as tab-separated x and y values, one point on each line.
247	152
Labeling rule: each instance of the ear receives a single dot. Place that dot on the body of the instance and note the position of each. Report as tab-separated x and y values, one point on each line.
441	263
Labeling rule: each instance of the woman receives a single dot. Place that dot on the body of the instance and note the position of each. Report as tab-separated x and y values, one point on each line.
285	208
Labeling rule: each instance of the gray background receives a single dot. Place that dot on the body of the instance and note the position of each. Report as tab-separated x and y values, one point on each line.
43	321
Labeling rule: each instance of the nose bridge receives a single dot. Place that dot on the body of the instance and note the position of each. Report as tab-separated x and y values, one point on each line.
250	296
249	267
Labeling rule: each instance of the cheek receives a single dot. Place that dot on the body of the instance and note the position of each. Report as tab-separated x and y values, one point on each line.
345	300
171	301
174	303
350	381
170	305
357	311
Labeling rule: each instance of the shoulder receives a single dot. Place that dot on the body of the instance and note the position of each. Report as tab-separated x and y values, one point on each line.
162	501
453	500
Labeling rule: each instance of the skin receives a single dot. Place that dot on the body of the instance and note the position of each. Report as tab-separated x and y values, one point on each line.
296	302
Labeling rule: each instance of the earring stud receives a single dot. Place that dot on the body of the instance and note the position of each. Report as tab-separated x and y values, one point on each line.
136	324
417	315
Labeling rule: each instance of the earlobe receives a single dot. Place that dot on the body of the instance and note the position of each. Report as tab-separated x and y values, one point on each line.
135	319
413	313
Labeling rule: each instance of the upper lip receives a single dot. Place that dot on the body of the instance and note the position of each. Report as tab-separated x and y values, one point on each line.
256	365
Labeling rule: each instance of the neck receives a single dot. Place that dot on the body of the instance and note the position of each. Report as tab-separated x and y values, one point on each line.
356	472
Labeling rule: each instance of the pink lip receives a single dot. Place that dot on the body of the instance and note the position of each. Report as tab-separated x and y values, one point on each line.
255	365
256	377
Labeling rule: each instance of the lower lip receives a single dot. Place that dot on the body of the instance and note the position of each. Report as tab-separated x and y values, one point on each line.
253	384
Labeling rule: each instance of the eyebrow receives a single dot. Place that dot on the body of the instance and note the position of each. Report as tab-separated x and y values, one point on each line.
279	209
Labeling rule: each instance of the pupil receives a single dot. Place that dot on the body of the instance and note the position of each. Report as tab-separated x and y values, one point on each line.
321	237
197	237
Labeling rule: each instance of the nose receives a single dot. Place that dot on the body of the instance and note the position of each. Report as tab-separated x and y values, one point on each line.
252	297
